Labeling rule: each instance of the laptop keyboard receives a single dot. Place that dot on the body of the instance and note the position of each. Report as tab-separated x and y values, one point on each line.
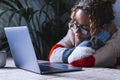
46	67
56	67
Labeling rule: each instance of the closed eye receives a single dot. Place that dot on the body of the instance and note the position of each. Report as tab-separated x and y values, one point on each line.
84	27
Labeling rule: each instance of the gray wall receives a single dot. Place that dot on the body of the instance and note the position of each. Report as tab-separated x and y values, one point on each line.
35	4
32	3
117	13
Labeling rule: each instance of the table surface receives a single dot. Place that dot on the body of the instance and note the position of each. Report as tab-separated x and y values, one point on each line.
10	72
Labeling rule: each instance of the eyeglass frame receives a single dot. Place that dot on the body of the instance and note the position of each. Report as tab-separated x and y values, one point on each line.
83	30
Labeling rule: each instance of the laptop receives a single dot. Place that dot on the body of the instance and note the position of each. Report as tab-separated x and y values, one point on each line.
24	56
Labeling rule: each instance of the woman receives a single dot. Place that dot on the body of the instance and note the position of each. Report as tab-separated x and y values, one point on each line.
90	28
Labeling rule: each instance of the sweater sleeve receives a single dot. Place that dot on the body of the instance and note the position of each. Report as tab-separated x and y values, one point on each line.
53	48
82	56
84	62
61	51
56	53
83	53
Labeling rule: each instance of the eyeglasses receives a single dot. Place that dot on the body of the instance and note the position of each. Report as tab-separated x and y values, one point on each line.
82	29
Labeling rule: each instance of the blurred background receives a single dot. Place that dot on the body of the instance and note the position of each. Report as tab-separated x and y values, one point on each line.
47	21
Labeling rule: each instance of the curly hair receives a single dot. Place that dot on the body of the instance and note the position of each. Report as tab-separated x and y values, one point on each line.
100	12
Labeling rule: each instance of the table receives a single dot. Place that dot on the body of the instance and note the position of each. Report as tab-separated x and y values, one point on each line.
10	72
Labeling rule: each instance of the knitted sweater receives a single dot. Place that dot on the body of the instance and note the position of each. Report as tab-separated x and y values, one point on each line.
82	55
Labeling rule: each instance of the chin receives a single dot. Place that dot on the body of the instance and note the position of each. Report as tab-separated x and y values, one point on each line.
77	41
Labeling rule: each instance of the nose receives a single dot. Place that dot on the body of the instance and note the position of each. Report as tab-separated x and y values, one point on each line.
77	32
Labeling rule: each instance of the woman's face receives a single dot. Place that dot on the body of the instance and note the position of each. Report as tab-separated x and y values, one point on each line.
81	27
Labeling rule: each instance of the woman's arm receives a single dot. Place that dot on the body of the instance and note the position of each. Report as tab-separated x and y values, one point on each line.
83	54
62	49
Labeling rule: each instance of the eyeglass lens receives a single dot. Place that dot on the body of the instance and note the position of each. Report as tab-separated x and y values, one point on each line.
80	27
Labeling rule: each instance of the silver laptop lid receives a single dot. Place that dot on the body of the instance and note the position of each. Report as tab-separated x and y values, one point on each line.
22	48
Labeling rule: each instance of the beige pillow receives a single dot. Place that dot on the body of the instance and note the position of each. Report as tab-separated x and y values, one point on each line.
107	55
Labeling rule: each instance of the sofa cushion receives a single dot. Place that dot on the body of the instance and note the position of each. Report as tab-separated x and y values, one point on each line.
109	55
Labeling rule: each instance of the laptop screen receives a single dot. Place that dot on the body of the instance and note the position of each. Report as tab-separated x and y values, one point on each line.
22	48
